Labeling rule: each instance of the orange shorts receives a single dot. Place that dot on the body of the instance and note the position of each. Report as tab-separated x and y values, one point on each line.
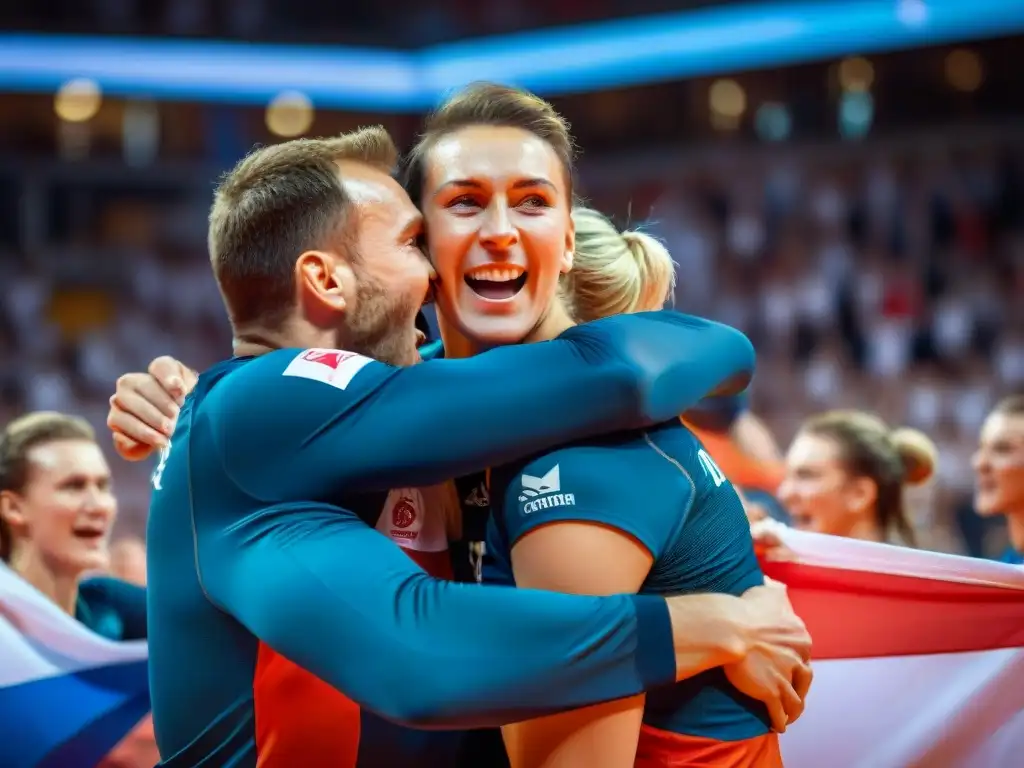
662	749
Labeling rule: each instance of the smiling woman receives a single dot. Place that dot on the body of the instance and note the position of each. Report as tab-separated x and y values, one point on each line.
57	509
516	263
846	472
999	470
492	174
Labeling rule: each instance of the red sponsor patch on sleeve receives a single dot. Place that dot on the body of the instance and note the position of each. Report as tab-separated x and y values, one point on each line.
331	366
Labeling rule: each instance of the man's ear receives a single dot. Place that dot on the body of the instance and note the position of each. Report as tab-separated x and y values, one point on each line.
325	279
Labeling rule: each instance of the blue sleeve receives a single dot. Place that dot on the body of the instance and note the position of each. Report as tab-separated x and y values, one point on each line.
128	601
334	596
594	484
770	503
343	423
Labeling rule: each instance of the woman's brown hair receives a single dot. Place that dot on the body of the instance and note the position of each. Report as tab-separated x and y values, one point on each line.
892	459
495	105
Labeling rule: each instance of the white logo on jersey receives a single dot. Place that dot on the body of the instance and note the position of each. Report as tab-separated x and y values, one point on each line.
545	492
158	473
710	467
331	366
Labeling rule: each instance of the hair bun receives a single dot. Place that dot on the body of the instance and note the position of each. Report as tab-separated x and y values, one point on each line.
656	268
918	454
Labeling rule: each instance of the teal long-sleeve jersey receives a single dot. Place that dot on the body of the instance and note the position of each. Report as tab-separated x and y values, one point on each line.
261	533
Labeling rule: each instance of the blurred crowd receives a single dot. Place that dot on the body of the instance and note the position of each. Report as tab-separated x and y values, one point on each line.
890	281
890	278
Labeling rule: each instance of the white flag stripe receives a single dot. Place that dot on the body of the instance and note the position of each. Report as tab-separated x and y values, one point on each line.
871	557
941	710
40	640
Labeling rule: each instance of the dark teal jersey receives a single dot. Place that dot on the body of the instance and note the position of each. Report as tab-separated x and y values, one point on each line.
662	488
1012	556
112	608
261	534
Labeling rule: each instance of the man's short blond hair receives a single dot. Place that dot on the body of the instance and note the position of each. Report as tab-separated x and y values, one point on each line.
276	203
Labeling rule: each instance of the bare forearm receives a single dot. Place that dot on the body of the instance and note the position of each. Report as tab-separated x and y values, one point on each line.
708	632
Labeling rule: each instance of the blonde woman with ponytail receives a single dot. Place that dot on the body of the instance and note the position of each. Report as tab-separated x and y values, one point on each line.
620	272
614	272
846	472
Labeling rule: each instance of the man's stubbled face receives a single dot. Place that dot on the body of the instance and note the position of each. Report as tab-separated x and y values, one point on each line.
392	276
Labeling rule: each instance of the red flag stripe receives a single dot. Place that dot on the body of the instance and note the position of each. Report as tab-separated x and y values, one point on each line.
856	614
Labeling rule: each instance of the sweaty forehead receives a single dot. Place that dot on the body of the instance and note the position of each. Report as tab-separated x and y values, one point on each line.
375	192
808	450
1004	426
68	456
493	154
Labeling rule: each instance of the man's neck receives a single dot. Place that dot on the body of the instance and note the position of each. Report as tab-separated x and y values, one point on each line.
60	588
253	341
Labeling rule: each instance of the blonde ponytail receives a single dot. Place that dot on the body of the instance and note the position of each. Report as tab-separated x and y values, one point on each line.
614	272
917	453
656	267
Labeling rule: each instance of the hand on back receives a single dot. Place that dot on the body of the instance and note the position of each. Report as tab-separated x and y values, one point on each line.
776	669
144	407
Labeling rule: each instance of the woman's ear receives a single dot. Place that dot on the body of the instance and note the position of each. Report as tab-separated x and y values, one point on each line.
570	247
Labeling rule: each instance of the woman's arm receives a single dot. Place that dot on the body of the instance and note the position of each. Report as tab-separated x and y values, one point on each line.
587	559
602	539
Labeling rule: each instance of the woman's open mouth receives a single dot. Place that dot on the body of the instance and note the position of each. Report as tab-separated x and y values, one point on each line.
496	283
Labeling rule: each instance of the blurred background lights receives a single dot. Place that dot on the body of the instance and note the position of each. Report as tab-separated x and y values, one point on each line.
913	13
77	101
773	121
727	102
290	114
856	74
964	70
856	112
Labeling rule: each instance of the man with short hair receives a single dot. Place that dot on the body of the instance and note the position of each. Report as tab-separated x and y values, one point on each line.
261	526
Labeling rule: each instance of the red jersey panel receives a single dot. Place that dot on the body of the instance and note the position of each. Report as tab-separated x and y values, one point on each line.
301	720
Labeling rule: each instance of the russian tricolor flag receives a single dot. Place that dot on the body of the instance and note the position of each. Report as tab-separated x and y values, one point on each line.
67	695
919	657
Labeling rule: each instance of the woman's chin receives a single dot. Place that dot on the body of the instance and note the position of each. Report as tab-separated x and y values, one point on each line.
90	561
985	506
805	523
495	330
